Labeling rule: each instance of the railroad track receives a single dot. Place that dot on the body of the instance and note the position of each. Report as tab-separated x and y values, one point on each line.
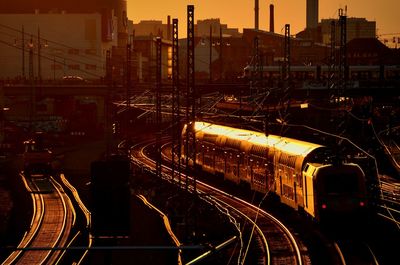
389	205
52	220
353	252
268	240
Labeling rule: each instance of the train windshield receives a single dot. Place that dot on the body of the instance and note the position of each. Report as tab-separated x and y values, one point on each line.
341	183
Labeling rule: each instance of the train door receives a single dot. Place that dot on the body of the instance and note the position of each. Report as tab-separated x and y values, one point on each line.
219	160
242	167
207	156
233	166
259	174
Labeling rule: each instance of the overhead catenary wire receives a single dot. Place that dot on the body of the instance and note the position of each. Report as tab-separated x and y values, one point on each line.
99	58
51	59
94	58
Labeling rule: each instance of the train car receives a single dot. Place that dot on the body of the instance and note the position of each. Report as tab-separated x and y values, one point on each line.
37	159
298	172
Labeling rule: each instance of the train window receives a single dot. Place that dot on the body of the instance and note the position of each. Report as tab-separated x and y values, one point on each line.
211	138
286	160
233	143
283	159
292	161
343	183
259	150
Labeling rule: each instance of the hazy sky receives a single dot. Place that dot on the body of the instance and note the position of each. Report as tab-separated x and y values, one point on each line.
240	13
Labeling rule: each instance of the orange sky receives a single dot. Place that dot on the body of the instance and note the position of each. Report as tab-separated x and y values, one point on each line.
240	13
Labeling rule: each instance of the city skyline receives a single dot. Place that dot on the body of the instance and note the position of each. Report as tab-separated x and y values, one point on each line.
240	14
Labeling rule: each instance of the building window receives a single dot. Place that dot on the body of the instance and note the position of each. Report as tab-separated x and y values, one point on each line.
56	67
90	51
73	51
57	51
90	67
73	67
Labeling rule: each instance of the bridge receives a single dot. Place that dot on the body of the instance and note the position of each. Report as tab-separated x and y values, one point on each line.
301	88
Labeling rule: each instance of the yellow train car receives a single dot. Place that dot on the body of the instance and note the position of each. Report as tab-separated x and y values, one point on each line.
296	171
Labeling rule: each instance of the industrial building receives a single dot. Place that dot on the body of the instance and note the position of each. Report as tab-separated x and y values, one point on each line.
202	28
356	28
153	28
320	31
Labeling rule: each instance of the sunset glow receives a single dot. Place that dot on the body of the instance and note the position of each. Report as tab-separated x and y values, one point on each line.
240	14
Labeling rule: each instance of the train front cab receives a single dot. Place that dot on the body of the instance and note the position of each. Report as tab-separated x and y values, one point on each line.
334	193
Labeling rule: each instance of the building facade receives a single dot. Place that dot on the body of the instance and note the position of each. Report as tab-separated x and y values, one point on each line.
356	28
50	46
202	29
154	28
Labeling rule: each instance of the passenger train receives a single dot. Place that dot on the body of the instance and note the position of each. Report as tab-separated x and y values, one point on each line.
298	172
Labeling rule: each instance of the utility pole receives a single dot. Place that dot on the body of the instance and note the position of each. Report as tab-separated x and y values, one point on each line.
256	72
39	45
286	52
332	61
23	53
54	68
107	116
343	74
286	79
210	59
158	107
176	124
343	68
190	99
220	53
32	83
128	86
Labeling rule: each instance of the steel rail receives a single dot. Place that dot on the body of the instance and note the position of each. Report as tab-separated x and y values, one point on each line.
36	221
50	206
255	208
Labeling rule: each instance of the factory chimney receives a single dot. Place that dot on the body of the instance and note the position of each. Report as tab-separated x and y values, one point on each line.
312	14
256	9
169	36
271	18
122	18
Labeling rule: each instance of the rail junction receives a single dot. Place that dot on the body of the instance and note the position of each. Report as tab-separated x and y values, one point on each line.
263	238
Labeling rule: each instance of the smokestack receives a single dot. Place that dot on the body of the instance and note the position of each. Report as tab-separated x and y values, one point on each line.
312	14
256	9
122	19
169	37
271	18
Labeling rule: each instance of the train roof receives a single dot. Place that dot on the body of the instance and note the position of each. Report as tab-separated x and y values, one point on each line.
287	145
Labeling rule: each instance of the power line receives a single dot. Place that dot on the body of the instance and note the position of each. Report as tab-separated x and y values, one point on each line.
50	59
48	41
93	60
